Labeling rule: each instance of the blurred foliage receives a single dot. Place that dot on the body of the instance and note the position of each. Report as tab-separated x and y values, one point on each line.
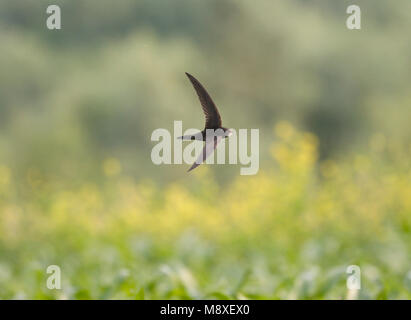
289	232
78	188
115	72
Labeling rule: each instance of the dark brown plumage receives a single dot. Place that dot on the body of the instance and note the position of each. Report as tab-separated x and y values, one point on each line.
213	121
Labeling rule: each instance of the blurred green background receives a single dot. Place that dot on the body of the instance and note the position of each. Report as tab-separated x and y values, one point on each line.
78	188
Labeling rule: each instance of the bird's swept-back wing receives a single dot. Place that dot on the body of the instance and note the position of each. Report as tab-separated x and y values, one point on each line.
208	149
213	119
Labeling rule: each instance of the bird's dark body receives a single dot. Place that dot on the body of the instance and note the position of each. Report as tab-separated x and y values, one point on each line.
204	132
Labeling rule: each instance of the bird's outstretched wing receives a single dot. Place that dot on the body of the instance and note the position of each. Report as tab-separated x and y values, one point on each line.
213	119
208	149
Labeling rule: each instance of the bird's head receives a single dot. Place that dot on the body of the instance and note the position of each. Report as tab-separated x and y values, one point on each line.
227	132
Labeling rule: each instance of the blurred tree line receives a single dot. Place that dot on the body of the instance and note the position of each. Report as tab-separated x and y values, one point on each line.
98	87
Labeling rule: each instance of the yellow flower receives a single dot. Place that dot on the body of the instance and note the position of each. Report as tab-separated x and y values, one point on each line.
284	130
111	167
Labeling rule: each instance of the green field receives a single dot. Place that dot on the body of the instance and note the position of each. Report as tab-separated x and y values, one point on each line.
289	232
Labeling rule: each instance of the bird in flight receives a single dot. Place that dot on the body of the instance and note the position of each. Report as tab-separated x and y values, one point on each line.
212	121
